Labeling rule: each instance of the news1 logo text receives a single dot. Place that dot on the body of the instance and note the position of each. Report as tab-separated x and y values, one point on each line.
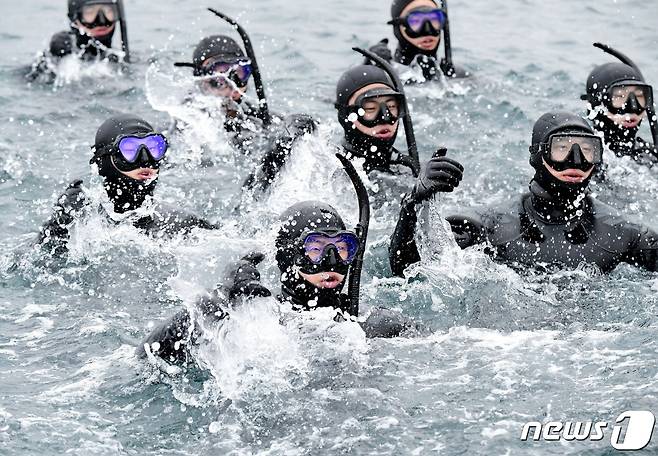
631	431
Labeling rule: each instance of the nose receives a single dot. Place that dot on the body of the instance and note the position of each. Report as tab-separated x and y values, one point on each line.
387	116
143	155
332	256
577	154
632	104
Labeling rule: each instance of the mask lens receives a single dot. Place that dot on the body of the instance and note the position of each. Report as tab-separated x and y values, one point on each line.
91	12
417	19
620	95
157	146
241	69
130	145
561	147
346	244
378	110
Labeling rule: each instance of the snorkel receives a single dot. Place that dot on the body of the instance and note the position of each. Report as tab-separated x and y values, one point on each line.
651	109
446	36
408	124
354	286
124	31
263	111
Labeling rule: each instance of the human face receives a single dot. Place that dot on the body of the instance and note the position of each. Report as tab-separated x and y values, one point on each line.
385	131
426	43
225	89
324	280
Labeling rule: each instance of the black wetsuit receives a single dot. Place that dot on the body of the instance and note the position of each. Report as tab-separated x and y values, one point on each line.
623	142
68	43
73	205
243	280
539	230
409	55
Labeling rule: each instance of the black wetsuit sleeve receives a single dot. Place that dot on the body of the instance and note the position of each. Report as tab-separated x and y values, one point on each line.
403	251
278	152
169	340
54	234
172	339
170	222
380	49
61	44
643	251
645	153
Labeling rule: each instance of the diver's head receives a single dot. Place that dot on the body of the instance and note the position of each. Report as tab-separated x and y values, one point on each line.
564	153
418	23
94	18
369	110
314	254
222	66
128	153
618	97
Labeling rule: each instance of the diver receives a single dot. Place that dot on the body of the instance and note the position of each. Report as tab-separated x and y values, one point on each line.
369	109
418	25
315	254
618	98
223	69
557	224
370	103
128	154
93	24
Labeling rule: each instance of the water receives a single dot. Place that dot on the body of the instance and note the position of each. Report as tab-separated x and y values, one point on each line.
505	347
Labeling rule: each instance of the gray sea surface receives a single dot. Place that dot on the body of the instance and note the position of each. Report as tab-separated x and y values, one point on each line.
504	347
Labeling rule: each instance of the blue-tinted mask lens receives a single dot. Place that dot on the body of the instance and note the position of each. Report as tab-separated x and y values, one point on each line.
346	244
130	146
242	70
416	19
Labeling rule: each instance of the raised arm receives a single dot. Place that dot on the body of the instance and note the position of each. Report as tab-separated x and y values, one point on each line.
441	174
170	340
54	234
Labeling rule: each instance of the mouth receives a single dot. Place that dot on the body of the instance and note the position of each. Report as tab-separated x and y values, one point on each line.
573	176
630	122
331	280
384	133
145	174
100	31
428	43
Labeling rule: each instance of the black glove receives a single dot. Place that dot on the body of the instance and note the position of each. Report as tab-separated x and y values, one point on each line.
441	174
300	124
61	44
382	50
447	68
246	278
